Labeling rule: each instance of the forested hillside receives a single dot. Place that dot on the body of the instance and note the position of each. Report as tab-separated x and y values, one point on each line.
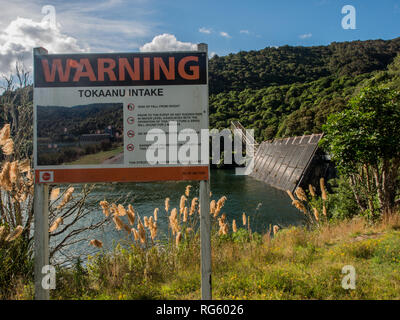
286	65
289	91
79	119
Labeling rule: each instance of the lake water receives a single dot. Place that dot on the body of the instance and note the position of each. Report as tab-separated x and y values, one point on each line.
244	194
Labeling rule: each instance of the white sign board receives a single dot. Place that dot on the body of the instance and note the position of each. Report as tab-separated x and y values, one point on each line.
120	117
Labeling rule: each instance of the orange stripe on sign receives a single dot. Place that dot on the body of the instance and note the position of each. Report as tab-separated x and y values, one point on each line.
125	174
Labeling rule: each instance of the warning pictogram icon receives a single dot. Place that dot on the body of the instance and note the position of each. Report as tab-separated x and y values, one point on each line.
131	133
46	176
131	120
130	147
131	107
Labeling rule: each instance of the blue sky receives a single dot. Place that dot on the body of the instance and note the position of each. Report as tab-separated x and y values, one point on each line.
263	23
227	26
276	23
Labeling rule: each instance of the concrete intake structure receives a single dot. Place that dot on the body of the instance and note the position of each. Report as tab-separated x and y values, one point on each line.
285	163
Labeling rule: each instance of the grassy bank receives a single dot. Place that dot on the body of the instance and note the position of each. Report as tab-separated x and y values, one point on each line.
295	264
97	158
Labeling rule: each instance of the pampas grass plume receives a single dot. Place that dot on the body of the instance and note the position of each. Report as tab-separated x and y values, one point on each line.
4	134
54	194
291	195
234	227
301	194
312	190
8	147
187	190
106	208
24	166
15	234
67	197
323	191
3	232
118	222
167	204
212	206
142	232
182	204
121	210
96	243
56	224
178	238
131	215
299	206
135	234
14	172
193	205
185	214
316	214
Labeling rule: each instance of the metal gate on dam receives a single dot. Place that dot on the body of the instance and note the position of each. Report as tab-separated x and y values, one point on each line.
289	162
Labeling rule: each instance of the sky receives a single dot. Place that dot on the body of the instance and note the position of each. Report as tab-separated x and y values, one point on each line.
156	25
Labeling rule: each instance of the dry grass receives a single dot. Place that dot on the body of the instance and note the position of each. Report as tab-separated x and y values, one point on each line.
292	263
181	223
311	206
16	191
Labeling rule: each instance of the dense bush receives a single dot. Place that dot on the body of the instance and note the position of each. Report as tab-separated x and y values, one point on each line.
363	141
16	265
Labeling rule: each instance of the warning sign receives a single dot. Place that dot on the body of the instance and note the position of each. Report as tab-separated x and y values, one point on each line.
119	116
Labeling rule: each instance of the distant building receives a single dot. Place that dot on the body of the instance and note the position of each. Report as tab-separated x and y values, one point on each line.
109	130
88	139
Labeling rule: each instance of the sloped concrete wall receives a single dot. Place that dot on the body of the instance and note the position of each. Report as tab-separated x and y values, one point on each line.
282	163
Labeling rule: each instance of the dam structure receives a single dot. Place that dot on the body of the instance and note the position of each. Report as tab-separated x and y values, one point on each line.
288	163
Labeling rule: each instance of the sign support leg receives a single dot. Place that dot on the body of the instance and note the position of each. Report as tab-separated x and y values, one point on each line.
41	237
205	240
205	220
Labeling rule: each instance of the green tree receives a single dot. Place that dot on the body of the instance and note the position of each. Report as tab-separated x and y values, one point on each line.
364	140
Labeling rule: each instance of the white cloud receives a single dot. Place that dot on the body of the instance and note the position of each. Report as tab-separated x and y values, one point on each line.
21	8
305	36
19	38
205	30
167	42
245	31
212	54
113	32
101	24
224	34
80	26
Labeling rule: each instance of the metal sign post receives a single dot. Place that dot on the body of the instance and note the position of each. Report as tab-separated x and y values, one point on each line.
41	227
205	240
205	222
41	237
